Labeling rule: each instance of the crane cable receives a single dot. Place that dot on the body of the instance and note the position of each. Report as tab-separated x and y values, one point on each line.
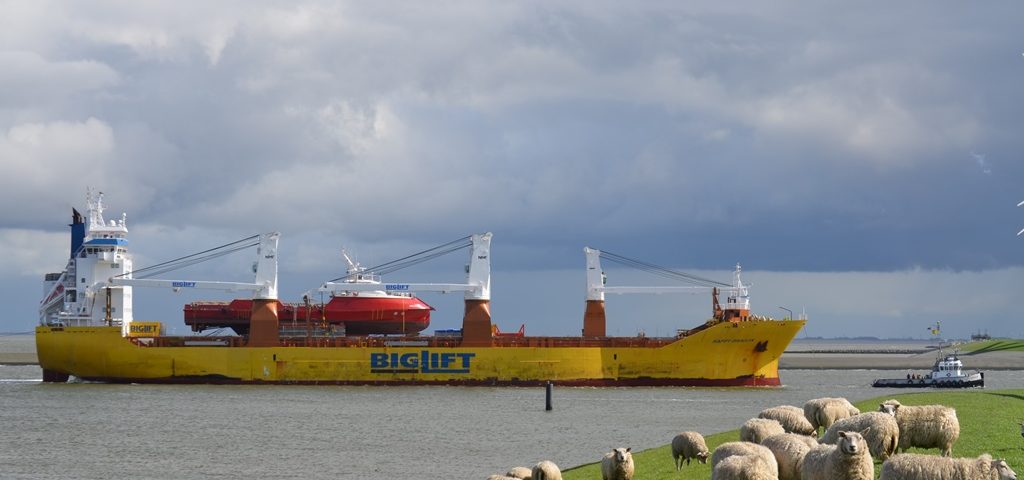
193	259
662	271
414	259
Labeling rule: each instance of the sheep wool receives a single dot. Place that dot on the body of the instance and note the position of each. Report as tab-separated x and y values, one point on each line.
757	429
546	470
789	450
617	465
879	429
743	467
687	446
913	466
849	459
731	449
924	426
522	473
823	412
791	418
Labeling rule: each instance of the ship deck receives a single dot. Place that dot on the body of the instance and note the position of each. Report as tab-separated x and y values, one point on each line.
411	341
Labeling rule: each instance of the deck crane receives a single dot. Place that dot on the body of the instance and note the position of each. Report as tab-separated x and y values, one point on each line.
476	324
263	322
736	308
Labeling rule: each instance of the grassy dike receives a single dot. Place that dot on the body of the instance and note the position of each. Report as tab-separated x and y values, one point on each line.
988	424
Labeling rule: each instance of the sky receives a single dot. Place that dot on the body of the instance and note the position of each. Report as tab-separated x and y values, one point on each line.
862	164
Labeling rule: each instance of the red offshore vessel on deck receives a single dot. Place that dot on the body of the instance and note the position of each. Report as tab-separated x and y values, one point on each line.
376	312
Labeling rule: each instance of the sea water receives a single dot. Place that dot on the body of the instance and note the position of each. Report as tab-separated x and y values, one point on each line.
83	430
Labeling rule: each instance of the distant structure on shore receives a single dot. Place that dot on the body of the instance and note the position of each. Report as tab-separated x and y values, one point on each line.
981	336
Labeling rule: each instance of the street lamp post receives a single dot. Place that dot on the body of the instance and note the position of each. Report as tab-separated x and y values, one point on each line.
790	312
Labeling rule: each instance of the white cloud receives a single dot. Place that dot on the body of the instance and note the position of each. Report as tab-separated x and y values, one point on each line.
32	253
40	157
27	77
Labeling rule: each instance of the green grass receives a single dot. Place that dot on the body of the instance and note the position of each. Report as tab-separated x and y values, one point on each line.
988	424
993	346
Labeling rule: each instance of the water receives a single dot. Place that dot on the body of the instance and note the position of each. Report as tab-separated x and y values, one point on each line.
194	431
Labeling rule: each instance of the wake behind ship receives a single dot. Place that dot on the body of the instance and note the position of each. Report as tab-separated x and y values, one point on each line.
87	330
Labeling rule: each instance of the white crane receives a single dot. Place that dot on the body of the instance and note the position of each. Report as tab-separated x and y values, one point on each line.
738	293
1021	230
264	286
477	286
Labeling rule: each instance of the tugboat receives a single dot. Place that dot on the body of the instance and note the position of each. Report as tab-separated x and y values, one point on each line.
946	373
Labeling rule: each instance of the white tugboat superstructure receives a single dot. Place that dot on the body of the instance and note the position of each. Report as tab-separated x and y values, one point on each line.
948	372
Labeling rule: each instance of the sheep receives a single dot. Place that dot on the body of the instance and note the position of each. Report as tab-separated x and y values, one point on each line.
924	426
1022	429
849	459
617	465
501	477
731	449
689	445
546	470
823	412
743	467
789	450
912	466
757	429
792	419
521	473
879	429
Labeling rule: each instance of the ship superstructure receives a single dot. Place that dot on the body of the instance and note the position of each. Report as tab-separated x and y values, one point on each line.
81	295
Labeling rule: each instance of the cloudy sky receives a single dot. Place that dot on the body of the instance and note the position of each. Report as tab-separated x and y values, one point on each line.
862	164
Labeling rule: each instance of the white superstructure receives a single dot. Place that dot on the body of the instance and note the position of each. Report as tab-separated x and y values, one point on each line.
99	250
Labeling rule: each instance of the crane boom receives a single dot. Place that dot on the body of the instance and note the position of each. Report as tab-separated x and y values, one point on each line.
477	286
265	270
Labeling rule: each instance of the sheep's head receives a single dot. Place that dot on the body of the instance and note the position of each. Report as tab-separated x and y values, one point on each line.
702	457
889	408
621	454
851	443
1005	472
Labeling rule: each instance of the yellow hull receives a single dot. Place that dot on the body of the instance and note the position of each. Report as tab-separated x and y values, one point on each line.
726	354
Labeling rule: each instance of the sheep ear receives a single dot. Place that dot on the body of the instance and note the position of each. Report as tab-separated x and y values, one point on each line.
865	431
629	449
842	434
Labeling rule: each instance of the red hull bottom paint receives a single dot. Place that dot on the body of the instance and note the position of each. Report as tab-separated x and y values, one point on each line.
628	382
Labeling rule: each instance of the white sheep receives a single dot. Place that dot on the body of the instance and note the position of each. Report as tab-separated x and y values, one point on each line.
546	470
743	467
757	429
789	450
924	426
823	412
733	449
879	429
617	465
912	466
849	459
687	446
501	477
792	419
522	473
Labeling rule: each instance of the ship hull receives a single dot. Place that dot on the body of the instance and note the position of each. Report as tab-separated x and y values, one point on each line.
725	354
360	315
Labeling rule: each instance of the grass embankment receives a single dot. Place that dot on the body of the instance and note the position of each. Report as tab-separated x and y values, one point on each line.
993	346
988	424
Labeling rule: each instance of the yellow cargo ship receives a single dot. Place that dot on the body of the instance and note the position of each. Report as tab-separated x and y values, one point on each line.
87	331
